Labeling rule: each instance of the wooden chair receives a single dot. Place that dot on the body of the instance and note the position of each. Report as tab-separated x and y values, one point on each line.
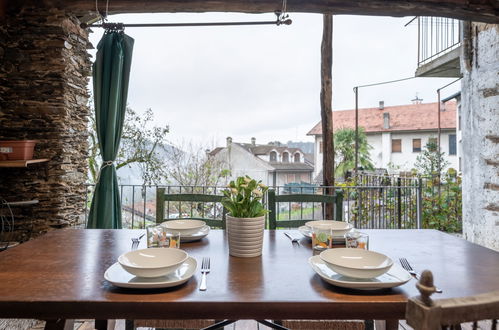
423	313
161	198
274	200
198	199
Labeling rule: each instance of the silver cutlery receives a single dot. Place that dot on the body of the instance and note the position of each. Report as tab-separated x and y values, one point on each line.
136	241
205	269
407	266
293	240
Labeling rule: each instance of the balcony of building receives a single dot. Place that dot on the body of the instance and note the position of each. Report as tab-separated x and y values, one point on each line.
439	47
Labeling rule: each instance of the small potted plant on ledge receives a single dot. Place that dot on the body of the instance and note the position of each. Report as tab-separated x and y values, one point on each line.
246	216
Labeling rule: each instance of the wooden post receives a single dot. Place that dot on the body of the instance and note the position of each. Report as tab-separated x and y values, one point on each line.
326	110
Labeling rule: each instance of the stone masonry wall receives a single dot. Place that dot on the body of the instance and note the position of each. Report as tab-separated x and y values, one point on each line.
44	69
480	135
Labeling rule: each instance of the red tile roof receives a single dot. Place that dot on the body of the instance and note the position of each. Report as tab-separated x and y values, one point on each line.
411	117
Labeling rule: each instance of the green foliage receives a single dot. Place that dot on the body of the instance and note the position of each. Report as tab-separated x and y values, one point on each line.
431	162
442	203
243	198
344	149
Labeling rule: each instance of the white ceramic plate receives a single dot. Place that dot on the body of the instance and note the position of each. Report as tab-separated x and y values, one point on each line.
203	232
117	276
394	277
305	231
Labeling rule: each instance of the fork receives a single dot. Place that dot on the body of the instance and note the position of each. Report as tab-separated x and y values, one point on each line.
205	269
407	266
136	241
293	240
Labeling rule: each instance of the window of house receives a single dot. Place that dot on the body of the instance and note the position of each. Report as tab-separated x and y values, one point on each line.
396	145
297	158
432	144
285	157
320	147
416	145
273	156
452	144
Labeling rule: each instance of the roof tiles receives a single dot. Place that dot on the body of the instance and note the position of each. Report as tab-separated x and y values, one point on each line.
411	117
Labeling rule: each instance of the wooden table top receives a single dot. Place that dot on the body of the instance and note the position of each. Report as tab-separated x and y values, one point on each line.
60	275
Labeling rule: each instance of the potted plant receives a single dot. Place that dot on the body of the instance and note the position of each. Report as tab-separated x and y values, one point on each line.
246	216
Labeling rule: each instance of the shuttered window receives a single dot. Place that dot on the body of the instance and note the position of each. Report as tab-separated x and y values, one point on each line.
396	145
416	145
452	144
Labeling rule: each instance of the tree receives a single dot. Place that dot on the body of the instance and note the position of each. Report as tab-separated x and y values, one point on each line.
431	162
140	145
344	148
190	165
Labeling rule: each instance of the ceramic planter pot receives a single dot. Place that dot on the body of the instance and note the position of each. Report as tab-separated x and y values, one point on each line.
245	236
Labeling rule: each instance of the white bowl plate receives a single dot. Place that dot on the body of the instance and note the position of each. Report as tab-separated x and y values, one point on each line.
334	225
307	232
117	276
356	263
184	226
152	262
201	233
396	276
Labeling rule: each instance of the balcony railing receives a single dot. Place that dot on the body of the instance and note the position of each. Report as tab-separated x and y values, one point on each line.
437	36
378	203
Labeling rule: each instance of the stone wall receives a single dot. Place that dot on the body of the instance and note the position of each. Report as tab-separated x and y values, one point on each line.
480	134
44	69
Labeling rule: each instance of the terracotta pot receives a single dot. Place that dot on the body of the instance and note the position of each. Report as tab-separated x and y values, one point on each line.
17	150
245	236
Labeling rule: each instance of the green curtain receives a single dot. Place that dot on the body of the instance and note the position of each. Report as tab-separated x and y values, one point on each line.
111	73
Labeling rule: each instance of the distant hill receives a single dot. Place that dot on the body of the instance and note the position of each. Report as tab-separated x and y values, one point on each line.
306	147
132	174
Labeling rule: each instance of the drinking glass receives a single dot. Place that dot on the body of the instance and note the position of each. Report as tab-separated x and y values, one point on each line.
159	236
322	238
357	239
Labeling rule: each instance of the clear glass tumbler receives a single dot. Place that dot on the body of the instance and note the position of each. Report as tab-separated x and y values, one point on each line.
322	238
159	236
355	239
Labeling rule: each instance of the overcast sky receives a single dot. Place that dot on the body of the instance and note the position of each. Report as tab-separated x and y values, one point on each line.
208	83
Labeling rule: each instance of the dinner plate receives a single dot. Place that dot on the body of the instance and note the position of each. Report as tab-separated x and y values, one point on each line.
305	231
203	232
119	277
394	277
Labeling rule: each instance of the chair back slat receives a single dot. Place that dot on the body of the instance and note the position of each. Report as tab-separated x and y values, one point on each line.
162	198
274	200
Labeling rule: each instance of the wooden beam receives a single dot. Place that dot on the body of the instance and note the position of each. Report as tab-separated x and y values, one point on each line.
474	10
326	110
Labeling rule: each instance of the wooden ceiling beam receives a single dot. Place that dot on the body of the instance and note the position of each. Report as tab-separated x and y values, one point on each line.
473	10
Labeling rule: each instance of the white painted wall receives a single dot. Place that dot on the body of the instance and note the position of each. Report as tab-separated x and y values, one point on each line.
240	162
480	137
381	153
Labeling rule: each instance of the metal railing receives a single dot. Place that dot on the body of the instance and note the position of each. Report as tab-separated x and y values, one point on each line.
375	204
437	36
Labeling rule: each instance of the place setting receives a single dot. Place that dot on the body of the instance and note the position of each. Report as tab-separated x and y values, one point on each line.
162	264
350	264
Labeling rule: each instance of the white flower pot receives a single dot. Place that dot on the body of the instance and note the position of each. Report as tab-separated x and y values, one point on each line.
245	236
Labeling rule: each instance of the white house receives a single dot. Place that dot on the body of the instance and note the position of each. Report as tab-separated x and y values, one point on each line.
397	134
274	165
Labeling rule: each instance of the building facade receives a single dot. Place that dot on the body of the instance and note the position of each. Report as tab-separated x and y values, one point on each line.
398	134
274	165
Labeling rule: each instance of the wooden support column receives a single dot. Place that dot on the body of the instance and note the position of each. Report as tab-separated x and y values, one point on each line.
326	110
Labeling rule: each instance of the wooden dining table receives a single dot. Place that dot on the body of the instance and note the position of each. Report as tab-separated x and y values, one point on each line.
60	275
